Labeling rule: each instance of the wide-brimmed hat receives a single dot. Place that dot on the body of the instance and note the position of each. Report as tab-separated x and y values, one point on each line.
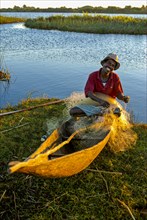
111	56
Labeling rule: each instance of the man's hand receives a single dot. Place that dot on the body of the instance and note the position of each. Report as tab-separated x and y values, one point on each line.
126	99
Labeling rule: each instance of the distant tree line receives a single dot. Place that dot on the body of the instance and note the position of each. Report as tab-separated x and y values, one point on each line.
89	9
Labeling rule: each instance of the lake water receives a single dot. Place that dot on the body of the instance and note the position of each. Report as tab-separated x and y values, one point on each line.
55	64
48	14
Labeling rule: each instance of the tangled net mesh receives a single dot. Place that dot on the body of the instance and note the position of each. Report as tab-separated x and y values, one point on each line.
122	135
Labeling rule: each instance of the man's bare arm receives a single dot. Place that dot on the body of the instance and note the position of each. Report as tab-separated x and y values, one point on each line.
100	101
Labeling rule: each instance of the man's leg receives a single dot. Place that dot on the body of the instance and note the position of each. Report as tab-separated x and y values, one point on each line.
76	111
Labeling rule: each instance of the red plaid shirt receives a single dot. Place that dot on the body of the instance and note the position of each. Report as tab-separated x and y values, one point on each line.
112	88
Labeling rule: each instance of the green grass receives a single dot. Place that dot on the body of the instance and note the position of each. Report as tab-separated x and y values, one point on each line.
7	20
91	24
87	195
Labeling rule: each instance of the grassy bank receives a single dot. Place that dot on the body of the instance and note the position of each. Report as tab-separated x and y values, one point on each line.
91	24
113	187
7	20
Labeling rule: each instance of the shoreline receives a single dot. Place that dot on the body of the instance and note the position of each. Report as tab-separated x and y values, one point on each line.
38	102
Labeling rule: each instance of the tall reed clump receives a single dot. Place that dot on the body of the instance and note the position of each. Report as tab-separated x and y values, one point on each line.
91	24
7	20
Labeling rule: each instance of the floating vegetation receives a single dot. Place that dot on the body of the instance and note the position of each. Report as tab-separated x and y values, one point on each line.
4	72
4	76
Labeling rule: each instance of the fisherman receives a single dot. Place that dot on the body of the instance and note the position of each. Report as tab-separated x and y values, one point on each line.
105	81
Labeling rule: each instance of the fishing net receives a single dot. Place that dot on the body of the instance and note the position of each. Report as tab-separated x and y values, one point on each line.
122	135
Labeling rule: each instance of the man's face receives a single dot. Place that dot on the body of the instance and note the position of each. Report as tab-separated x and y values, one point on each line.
109	65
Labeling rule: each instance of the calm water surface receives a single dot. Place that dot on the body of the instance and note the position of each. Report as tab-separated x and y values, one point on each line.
47	14
55	64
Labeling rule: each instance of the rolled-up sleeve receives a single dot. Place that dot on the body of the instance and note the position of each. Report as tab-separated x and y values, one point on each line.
118	87
89	85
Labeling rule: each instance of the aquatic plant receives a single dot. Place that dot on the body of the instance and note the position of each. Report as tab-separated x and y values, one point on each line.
4	76
6	20
4	72
91	24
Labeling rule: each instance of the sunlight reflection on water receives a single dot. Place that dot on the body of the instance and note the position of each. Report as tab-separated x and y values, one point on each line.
19	26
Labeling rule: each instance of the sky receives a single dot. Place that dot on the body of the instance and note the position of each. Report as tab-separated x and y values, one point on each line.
71	3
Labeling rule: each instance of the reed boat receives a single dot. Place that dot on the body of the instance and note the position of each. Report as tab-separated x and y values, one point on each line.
43	164
67	151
